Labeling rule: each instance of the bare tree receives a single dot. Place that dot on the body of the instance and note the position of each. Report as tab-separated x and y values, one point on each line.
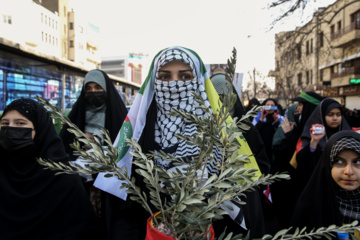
304	50
257	87
294	6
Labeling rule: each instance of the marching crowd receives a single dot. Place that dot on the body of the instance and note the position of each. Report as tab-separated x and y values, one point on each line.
314	141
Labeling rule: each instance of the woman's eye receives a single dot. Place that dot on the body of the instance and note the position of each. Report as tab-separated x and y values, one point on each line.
338	162
186	77
4	123
357	162
20	123
163	76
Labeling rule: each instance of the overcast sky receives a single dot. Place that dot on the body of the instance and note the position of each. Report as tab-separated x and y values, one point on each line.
211	28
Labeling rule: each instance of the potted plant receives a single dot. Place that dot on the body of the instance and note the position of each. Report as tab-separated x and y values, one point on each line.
193	199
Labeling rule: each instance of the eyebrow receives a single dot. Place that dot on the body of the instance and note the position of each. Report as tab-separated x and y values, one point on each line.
167	71
17	119
344	159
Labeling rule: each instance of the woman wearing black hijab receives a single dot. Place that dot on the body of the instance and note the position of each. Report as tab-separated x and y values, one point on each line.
267	122
327	114
332	195
284	146
96	108
35	203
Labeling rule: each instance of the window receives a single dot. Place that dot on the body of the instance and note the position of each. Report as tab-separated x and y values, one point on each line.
64	11
56	41
42	36
307	77
321	75
7	19
307	48
339	25
49	38
299	79
332	29
355	18
311	46
311	76
299	51
71	43
321	39
53	23
53	40
64	29
45	19
71	25
46	37
42	17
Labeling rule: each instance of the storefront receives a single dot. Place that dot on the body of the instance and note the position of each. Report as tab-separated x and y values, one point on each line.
351	95
22	77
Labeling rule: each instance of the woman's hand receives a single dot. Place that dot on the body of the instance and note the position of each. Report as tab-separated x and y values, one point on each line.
287	126
263	115
315	138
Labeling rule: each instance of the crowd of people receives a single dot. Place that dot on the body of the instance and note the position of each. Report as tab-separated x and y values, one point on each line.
314	141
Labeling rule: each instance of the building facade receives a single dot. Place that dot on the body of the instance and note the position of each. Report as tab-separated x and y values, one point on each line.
52	28
46	50
322	56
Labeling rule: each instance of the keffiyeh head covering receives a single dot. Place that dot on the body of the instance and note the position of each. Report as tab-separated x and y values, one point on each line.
323	202
167	95
178	94
152	104
349	201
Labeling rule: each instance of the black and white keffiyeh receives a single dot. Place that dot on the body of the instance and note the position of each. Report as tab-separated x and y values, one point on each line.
178	94
349	204
349	201
342	144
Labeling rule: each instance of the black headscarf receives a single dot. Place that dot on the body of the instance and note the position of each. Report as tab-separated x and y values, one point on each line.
318	116
114	115
34	203
308	108
318	205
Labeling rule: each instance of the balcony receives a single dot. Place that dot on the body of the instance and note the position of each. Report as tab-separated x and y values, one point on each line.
346	36
342	78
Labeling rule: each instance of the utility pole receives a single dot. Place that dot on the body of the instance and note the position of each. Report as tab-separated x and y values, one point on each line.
254	83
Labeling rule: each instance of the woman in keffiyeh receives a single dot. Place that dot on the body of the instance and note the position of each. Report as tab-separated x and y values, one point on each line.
175	75
332	195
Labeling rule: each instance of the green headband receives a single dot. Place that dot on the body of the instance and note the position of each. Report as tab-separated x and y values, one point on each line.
309	98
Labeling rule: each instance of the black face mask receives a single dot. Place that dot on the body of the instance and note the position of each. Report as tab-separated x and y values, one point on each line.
16	139
96	99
